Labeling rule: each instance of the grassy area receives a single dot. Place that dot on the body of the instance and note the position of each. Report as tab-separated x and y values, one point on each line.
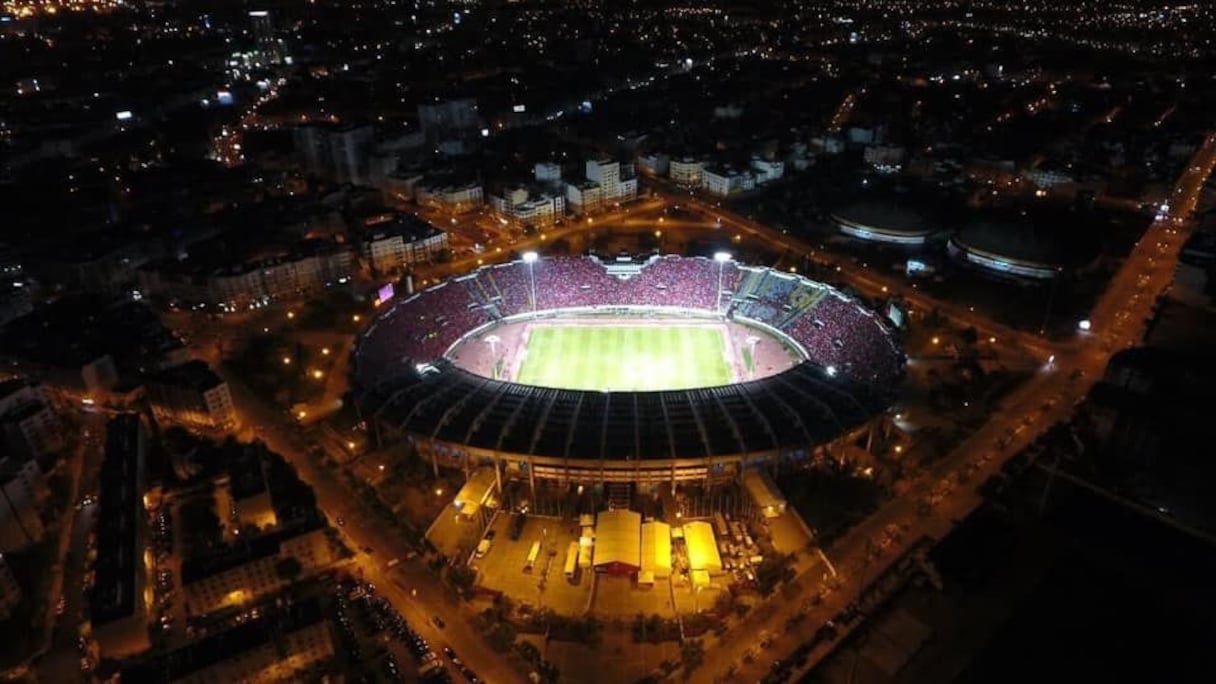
625	358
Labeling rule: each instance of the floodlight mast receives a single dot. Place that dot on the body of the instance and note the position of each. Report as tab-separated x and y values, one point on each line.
721	258
530	259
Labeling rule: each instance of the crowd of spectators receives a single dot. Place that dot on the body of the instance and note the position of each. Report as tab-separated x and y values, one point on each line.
835	331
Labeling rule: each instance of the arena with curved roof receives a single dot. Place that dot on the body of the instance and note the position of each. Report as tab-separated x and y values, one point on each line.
413	382
885	221
1022	248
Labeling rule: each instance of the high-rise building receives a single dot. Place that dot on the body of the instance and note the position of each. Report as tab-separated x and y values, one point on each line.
268	44
340	153
444	119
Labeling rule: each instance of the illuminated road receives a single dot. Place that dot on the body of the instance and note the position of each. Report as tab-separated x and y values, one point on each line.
1118	321
872	283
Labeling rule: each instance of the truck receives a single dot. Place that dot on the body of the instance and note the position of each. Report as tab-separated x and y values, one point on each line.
572	560
533	553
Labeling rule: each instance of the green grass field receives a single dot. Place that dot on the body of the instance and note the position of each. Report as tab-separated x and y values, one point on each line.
625	358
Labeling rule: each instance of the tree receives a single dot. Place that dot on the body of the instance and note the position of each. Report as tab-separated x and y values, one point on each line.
501	636
288	568
692	654
462	577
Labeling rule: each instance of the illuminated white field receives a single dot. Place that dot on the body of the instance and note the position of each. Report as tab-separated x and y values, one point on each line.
625	358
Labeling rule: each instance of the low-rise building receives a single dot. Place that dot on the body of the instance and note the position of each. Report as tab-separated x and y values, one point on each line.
457	199
117	602
548	173
29	427
191	394
311	267
608	183
21	491
251	568
394	242
585	197
243	499
686	171
521	207
278	646
726	181
767	170
655	164
884	158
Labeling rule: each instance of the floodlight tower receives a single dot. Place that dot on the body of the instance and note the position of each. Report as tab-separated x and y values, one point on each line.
530	259
721	258
752	341
493	340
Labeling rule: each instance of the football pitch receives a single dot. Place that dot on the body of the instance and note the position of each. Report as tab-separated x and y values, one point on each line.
623	358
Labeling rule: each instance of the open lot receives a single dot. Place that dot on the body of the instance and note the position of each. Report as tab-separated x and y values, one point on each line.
546	586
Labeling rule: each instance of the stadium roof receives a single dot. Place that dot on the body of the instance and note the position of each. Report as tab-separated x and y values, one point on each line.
702	549
797	408
618	539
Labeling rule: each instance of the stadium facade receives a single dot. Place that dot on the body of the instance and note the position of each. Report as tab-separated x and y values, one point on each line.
409	388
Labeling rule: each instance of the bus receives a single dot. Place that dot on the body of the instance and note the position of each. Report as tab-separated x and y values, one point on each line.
720	526
532	554
572	560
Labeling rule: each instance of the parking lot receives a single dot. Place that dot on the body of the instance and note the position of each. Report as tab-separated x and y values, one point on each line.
502	568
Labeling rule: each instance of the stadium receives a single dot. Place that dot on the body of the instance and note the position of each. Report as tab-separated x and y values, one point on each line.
666	369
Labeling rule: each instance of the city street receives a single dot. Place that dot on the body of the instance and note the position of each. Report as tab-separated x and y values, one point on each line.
62	661
412	588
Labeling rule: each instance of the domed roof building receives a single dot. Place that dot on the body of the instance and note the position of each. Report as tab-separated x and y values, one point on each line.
1022	248
886	221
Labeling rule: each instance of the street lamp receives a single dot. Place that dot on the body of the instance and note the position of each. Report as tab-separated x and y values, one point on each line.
530	259
721	258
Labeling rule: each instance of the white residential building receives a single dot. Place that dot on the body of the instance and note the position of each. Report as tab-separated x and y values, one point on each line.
686	171
21	487
767	171
884	158
454	198
398	242
656	164
523	208
549	173
724	182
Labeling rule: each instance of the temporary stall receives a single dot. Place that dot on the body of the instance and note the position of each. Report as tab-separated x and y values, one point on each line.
618	537
702	550
656	549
